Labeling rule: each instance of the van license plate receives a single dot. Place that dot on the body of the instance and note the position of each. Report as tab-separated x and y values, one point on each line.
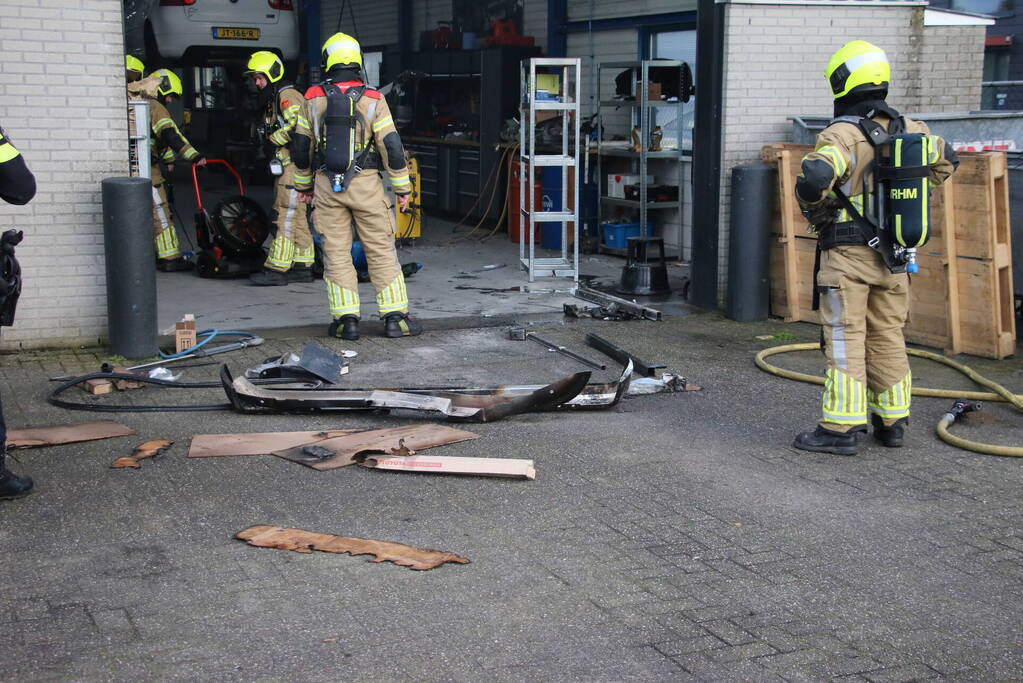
227	33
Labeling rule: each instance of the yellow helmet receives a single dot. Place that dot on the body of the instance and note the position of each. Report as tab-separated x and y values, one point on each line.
266	63
341	48
170	84
134	64
857	67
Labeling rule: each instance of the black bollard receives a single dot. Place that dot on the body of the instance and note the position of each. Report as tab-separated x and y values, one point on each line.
753	197
131	268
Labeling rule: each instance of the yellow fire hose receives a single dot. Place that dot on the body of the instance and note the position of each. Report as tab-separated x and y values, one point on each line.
1000	393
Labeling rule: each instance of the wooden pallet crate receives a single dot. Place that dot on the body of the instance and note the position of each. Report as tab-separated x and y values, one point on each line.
987	315
981	220
961	300
929	304
787	158
793	304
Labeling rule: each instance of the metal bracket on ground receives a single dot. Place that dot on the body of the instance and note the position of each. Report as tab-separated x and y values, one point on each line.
631	307
622	356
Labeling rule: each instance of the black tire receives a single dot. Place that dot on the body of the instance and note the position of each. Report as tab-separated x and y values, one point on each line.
206	264
241	223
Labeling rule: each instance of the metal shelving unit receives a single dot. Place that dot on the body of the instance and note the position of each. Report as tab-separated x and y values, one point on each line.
566	103
641	115
138	138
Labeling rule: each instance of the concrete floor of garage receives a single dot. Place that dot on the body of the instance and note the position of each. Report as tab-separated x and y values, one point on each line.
452	283
674	537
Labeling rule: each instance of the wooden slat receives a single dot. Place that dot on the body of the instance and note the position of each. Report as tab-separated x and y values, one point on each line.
954	342
804	250
988	326
785	190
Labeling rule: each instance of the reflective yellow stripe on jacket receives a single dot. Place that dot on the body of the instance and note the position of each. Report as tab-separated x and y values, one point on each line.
7	150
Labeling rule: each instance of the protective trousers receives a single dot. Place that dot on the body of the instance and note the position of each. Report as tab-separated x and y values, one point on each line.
164	234
863	309
365	202
292	242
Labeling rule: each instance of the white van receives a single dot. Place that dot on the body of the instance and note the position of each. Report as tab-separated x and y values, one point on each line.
196	30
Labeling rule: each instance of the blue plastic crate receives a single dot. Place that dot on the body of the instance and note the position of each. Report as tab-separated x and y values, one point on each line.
616	235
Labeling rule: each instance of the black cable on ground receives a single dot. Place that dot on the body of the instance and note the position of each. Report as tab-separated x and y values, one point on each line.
52	397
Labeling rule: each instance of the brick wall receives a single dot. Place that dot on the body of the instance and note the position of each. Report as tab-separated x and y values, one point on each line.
62	100
772	73
954	56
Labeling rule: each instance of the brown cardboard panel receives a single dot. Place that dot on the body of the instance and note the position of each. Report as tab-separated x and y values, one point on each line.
302	541
443	464
149	449
58	434
258	443
345	450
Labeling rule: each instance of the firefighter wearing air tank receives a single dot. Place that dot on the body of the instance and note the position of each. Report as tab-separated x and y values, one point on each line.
168	145
865	191
345	137
291	252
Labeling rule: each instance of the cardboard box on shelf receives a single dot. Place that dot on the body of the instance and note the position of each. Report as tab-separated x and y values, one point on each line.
653	91
616	183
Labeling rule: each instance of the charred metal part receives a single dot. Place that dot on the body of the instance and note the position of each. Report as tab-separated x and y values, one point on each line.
246	397
668	383
622	356
623	305
520	333
318	452
592	396
316	363
597	312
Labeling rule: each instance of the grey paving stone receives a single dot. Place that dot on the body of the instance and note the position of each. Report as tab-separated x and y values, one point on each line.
674	538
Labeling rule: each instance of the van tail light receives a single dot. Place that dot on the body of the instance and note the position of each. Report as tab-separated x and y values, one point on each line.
176	3
279	4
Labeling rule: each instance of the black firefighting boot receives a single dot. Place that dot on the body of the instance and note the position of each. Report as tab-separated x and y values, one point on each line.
400	325
892	436
345	327
268	278
11	485
173	265
300	274
822	440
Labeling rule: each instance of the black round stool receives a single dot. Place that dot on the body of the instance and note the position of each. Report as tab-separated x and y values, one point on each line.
641	275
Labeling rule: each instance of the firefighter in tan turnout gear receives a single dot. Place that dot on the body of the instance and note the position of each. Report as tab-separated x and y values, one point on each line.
167	144
854	189
345	137
291	252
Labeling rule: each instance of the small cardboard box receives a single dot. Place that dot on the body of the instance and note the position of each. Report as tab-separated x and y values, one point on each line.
653	91
184	333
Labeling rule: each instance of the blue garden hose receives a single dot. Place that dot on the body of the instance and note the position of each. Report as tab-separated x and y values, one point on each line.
207	337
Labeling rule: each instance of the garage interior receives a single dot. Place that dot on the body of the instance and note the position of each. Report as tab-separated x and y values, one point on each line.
454	75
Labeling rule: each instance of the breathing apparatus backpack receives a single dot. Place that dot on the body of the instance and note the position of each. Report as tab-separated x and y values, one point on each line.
344	127
899	220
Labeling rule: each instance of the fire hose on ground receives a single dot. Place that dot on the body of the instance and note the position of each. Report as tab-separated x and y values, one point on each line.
966	401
